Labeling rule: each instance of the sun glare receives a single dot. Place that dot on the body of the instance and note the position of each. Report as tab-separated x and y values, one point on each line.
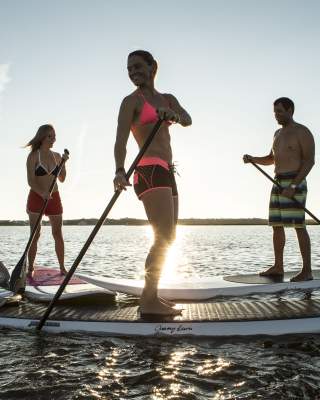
176	267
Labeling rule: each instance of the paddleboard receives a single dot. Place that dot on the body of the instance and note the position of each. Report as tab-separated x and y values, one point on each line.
8	297
207	288
222	319
46	281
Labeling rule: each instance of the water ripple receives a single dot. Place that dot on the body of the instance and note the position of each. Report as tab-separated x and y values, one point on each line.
76	367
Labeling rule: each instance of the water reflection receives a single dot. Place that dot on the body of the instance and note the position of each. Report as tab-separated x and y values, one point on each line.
69	367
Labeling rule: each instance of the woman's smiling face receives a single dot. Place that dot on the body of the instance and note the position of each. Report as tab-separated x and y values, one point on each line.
140	72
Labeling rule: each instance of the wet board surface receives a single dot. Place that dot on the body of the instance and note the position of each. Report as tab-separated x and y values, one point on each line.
50	277
271	317
46	281
204	288
266	280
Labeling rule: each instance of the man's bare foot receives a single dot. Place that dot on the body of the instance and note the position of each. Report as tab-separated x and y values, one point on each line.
156	307
302	276
63	271
167	302
272	271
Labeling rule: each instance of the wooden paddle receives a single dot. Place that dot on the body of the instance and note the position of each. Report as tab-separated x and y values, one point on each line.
18	278
98	226
297	202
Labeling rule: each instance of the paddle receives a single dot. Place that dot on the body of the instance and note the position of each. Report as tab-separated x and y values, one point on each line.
18	278
297	202
97	227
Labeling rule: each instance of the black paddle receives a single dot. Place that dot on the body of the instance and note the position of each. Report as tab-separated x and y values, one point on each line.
297	202
97	227
18	278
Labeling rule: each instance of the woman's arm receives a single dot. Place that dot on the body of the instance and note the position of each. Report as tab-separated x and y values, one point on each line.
32	181
125	118
184	118
63	173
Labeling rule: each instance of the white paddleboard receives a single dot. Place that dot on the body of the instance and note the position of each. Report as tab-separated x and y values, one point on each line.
207	288
46	281
6	297
220	319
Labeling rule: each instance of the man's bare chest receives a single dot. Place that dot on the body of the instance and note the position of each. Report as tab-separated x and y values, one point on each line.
286	143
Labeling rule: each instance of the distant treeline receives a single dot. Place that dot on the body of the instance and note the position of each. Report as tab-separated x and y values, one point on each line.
137	222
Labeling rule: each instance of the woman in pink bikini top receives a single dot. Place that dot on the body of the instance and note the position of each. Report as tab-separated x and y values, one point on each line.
154	181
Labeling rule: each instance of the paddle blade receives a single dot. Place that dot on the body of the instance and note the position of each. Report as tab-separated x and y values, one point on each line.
18	278
4	276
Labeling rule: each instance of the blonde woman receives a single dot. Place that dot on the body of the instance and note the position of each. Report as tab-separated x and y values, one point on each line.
42	166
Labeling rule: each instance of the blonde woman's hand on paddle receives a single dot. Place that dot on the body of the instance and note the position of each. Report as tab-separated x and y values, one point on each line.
65	156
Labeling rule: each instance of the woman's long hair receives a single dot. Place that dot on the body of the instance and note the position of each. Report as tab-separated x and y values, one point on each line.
41	134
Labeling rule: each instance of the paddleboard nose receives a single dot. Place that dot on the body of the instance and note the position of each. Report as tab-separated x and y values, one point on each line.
4	276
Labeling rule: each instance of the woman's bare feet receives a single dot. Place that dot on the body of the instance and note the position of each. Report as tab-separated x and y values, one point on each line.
302	276
30	272
273	271
63	271
167	302
156	307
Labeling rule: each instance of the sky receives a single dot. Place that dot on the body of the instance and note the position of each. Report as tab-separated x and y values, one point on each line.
64	63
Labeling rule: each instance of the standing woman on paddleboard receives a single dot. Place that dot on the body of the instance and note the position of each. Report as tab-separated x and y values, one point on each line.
154	181
42	167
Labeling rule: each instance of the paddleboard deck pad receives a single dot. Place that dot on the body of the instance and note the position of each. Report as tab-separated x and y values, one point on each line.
206	288
45	282
251	279
221	319
49	277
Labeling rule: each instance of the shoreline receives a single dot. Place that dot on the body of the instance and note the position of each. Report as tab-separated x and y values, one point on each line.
142	222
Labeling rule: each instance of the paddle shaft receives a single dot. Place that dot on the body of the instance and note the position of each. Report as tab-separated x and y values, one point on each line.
97	227
18	269
280	187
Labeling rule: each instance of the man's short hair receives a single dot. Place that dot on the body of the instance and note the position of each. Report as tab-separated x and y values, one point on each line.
286	102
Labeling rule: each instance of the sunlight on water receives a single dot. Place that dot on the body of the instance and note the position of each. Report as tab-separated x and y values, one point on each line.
108	373
220	396
210	368
93	367
171	372
94	393
173	364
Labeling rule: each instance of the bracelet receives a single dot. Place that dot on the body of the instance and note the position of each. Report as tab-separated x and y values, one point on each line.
120	169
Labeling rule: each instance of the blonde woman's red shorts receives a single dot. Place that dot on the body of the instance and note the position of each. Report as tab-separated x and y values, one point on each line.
35	203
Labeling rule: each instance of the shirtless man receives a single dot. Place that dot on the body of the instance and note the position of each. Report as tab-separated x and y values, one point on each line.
292	154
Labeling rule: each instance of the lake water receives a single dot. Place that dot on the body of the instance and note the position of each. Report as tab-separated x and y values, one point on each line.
78	366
